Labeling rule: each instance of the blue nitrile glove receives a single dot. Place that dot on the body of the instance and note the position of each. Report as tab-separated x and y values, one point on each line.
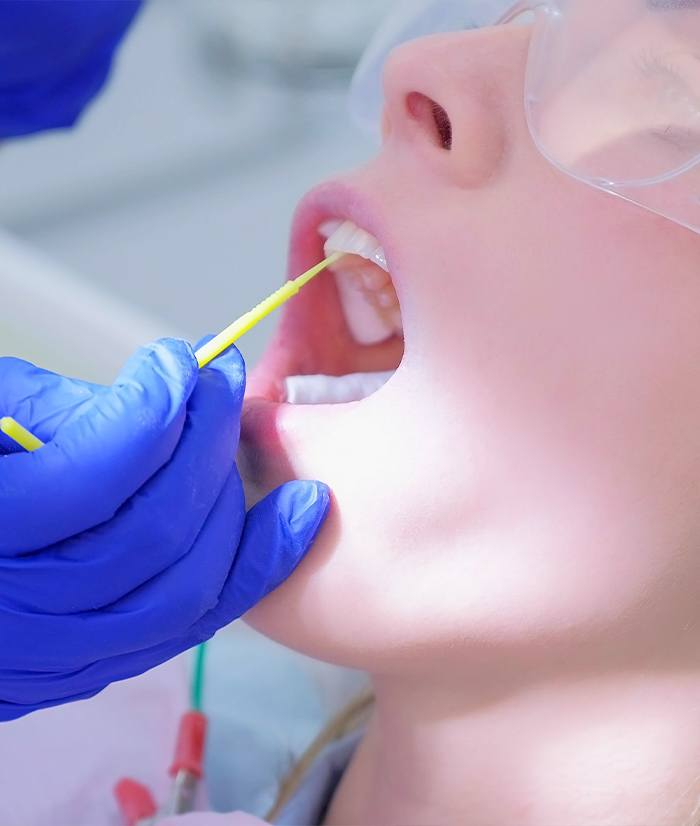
55	56
125	540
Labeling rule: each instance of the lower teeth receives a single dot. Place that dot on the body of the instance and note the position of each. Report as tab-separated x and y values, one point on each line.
333	389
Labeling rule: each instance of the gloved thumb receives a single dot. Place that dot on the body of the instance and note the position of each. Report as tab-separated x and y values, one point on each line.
278	532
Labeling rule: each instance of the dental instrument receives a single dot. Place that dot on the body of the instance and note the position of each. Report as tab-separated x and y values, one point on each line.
253	317
209	351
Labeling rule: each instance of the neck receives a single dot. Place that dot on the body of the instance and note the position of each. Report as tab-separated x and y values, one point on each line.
619	750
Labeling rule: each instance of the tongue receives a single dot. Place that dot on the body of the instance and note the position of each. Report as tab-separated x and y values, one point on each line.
333	389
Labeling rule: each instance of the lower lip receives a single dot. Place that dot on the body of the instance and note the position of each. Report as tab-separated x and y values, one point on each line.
262	456
259	421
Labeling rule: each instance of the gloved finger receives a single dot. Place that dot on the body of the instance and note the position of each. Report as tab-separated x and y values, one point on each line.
8	446
38	399
229	367
282	529
161	609
202	341
160	523
278	533
97	461
205	340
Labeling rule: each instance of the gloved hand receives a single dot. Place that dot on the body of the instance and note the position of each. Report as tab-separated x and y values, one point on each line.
125	540
54	58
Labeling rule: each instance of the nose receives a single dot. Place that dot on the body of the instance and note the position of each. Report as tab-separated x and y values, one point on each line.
456	100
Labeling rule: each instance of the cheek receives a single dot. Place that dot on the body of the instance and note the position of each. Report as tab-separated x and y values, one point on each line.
592	357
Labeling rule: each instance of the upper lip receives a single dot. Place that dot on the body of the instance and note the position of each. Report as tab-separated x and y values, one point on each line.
331	200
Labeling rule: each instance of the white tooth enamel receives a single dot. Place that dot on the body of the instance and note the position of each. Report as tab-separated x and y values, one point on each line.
379	258
327	228
348	237
333	389
365	322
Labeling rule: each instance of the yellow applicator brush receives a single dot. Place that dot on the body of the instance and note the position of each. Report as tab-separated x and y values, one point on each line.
209	351
253	317
20	434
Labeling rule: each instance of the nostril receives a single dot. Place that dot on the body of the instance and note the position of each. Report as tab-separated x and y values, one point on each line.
443	124
432	116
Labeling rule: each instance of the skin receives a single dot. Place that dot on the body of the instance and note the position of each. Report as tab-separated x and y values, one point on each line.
513	548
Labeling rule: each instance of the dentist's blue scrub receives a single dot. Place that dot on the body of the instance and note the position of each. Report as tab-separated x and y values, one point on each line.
125	540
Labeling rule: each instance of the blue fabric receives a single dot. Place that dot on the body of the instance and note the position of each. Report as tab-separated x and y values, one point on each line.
55	56
125	539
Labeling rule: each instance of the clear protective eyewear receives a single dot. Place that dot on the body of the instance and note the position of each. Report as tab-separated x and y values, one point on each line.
612	88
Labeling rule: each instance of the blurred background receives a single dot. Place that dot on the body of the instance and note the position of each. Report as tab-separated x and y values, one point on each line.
167	210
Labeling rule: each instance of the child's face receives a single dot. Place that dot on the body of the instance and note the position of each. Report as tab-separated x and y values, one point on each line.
531	474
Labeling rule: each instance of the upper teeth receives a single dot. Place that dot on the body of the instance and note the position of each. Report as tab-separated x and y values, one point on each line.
368	297
344	236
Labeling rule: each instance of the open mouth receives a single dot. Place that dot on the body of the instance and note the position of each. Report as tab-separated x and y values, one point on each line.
341	339
326	384
370	310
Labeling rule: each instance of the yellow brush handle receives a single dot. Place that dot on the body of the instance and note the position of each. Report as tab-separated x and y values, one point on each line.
20	434
253	317
209	351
